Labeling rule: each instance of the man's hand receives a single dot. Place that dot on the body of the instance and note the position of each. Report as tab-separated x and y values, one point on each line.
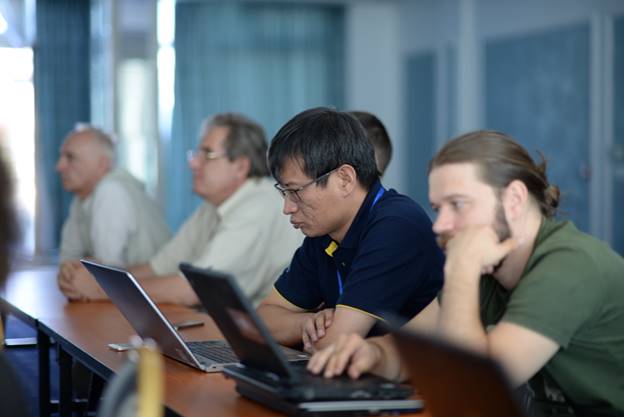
77	283
65	279
479	246
314	327
351	353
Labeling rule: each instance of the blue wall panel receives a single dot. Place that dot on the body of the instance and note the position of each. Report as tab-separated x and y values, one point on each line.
537	90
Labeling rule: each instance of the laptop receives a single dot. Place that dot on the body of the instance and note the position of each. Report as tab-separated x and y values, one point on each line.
265	376
149	322
440	371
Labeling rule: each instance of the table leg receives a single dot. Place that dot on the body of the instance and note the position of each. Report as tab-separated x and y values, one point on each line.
65	383
43	354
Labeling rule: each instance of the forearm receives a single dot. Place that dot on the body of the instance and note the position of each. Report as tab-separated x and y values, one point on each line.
142	271
329	338
344	321
285	325
172	289
389	363
460	320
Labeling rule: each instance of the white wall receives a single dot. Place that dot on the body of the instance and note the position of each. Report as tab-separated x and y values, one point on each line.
373	74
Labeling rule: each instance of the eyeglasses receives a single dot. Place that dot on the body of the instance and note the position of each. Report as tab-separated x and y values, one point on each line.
293	193
207	155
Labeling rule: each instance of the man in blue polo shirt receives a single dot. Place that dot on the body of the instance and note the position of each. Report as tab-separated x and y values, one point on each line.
368	251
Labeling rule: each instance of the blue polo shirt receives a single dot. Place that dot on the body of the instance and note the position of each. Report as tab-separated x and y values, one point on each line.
388	262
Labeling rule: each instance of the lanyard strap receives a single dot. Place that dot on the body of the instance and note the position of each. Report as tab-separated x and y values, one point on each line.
380	192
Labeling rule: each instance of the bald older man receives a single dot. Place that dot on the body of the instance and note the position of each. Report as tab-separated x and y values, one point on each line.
111	218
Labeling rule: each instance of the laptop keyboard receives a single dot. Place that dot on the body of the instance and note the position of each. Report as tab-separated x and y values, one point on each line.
217	351
295	356
305	386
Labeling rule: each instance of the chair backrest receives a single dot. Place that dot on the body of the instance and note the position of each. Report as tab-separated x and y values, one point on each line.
137	389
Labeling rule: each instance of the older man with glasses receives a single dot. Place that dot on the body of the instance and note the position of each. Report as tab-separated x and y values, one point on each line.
239	228
368	251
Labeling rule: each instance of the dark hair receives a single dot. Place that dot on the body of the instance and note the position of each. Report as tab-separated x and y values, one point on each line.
245	138
324	139
501	160
8	219
378	136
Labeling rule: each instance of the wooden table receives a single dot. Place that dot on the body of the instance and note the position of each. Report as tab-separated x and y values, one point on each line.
30	295
83	330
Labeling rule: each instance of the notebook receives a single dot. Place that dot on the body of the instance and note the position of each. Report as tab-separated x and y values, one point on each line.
440	371
149	322
265	376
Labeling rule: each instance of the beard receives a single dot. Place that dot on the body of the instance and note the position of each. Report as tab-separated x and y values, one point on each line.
500	226
502	229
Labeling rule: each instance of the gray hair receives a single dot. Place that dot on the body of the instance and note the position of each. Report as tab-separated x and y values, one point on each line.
244	138
103	139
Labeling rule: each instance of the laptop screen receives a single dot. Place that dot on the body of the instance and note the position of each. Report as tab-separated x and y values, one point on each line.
136	306
454	381
237	319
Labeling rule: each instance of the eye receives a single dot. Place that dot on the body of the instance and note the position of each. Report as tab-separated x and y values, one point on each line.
435	209
457	205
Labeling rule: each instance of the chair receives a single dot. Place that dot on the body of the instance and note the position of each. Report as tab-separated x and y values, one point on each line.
138	388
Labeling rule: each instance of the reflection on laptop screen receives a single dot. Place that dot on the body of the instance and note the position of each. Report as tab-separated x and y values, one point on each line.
245	325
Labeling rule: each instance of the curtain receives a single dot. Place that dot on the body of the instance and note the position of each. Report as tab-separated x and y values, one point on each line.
266	60
61	81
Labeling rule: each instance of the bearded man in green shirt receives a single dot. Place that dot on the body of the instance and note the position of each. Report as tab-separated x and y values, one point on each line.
534	293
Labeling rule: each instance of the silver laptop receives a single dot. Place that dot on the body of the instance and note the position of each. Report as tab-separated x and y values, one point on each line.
149	322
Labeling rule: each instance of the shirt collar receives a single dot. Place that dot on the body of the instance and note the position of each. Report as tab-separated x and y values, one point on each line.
352	237
240	196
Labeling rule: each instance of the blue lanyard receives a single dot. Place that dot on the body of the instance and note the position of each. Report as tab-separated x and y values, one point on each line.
338	275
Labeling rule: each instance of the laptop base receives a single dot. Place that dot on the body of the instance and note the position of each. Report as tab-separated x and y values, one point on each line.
311	388
328	408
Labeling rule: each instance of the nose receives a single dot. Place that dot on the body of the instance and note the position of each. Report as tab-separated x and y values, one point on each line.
290	207
193	163
60	164
444	223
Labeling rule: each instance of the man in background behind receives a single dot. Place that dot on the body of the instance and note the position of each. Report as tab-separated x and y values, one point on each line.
238	229
111	217
378	136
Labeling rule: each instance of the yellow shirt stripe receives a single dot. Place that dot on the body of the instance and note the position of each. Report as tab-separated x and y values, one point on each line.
361	311
331	248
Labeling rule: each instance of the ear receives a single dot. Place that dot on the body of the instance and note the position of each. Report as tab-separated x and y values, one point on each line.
515	199
243	167
104	164
347	179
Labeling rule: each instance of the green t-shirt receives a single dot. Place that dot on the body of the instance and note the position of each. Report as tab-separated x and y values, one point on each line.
571	291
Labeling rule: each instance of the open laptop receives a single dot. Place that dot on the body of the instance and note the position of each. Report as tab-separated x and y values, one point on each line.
149	322
441	371
265	376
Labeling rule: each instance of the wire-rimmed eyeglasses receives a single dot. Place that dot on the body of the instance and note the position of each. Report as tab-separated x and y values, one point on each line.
293	193
204	154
